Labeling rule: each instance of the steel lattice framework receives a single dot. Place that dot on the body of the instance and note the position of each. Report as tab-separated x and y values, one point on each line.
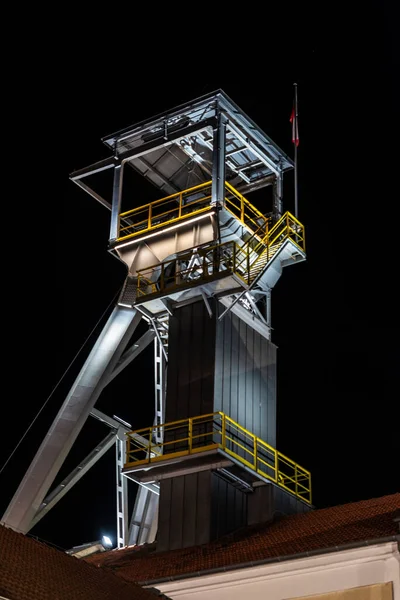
202	238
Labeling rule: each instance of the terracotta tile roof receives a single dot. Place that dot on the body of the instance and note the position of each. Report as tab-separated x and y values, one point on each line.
318	529
30	570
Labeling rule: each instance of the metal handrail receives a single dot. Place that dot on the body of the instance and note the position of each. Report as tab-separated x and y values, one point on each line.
150	219
237	260
219	431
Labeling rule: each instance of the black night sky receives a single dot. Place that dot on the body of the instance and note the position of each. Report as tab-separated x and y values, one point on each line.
335	317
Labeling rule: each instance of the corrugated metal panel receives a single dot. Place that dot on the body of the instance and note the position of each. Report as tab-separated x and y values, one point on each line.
177	522
185	511
190	128
221	365
164	515
245	377
287	504
215	365
189	516
203	507
228	508
260	505
190	379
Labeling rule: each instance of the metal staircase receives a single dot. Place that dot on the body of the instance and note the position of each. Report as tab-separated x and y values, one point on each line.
260	264
210	263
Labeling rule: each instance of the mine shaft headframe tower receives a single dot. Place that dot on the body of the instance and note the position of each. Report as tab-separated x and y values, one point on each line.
208	138
201	245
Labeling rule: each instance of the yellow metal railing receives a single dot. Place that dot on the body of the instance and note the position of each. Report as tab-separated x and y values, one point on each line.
245	261
165	211
218	431
247	214
288	227
185	204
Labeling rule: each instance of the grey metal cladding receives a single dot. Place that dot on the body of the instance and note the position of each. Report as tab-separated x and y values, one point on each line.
164	515
287	504
185	511
221	366
190	385
228	508
245	377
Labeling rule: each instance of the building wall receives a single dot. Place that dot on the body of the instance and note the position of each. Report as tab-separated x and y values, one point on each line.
367	573
379	591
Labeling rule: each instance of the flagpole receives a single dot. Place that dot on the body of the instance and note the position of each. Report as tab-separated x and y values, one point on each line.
296	192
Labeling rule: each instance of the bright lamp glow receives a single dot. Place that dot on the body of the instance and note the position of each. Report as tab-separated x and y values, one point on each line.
106	541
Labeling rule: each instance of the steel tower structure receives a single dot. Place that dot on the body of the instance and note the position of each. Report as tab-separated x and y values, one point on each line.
201	263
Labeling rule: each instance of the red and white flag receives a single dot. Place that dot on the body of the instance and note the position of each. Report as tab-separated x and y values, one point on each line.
295	128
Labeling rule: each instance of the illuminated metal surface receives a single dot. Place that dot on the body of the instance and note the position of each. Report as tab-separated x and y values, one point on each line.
143	525
132	352
160	367
218	161
205	433
251	156
171	210
248	263
121	494
51	499
68	423
207	138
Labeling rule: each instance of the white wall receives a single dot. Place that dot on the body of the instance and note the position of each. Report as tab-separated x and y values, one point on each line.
295	578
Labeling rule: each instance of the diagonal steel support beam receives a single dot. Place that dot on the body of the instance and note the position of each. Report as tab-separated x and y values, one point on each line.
132	353
206	302
120	429
109	421
255	308
246	316
71	417
73	478
92	193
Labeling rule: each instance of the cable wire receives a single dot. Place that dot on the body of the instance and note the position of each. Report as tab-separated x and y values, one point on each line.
59	381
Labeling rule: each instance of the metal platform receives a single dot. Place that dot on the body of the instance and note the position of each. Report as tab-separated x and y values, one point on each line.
212	442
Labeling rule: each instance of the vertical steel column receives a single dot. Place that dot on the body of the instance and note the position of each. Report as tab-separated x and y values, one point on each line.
268	302
218	166
116	202
159	382
122	493
277	193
